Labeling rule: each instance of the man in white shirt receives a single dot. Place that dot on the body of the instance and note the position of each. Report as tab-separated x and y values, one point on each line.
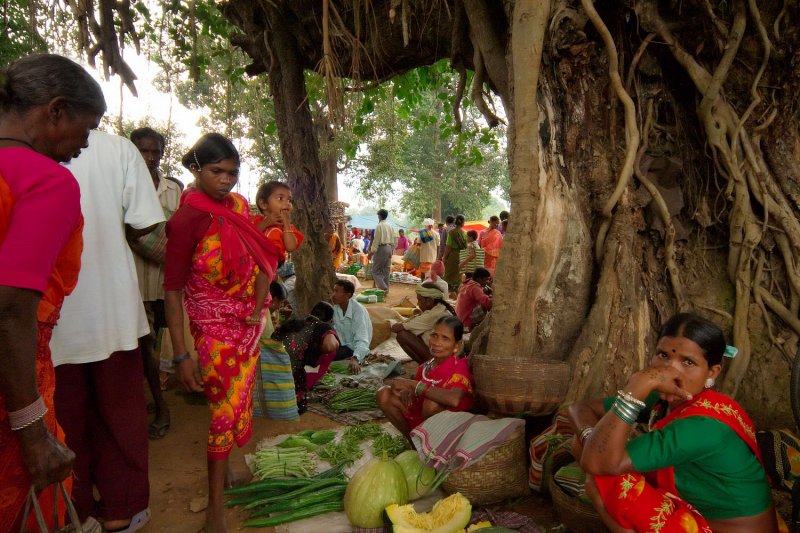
380	251
150	270
99	397
352	323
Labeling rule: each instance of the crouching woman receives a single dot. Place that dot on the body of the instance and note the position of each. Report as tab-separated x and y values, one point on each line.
443	382
699	468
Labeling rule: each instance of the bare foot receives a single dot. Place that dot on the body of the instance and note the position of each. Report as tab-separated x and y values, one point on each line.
111	525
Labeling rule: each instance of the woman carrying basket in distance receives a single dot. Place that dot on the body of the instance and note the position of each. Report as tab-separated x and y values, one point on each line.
444	382
699	467
221	264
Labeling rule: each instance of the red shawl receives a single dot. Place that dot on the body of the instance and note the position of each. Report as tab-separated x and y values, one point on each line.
238	234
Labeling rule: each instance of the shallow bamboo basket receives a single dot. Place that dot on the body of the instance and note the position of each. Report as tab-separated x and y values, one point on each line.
576	515
499	475
515	385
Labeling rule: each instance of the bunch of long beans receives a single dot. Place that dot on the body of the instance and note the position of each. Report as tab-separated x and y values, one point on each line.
283	462
290	499
353	400
339	367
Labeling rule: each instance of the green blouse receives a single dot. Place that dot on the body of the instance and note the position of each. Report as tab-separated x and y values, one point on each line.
715	470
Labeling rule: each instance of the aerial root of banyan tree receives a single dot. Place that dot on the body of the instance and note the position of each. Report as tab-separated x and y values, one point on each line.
749	179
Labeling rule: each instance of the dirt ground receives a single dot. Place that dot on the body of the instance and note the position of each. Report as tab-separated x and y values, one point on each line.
178	461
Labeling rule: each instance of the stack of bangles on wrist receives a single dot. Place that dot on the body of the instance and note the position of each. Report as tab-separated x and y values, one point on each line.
627	408
421	389
584	433
28	415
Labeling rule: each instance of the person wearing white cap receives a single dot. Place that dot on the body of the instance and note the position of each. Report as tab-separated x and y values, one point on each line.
380	251
429	246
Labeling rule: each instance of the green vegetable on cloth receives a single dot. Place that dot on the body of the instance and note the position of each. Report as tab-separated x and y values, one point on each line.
378	483
353	400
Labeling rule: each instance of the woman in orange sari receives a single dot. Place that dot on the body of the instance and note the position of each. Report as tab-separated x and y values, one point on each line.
48	104
336	248
699	468
491	242
219	264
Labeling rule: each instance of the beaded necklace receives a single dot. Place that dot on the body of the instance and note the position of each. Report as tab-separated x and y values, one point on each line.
425	368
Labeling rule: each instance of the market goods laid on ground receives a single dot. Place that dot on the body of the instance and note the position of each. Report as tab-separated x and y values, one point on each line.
290	499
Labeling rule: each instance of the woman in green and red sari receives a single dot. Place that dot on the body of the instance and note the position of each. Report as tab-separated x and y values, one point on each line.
219	266
699	467
456	241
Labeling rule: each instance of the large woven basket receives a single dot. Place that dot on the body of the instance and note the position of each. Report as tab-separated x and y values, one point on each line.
576	515
514	385
497	476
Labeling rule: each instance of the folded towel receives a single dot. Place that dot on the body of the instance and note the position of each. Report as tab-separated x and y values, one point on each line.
455	440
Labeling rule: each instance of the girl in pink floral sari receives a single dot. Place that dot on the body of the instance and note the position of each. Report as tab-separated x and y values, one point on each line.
219	265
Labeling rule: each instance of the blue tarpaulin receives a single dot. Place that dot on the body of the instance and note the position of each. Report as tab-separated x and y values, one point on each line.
370	221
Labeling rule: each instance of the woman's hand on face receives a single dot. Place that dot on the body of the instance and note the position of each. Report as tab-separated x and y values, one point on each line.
666	380
188	375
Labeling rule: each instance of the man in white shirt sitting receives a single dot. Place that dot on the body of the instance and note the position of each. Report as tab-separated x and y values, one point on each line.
351	321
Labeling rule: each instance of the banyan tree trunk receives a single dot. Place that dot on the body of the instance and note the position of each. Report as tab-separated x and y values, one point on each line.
313	261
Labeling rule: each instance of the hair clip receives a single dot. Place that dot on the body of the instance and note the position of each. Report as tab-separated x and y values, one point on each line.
730	351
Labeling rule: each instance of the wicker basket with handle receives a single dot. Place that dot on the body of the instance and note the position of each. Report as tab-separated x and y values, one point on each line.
497	476
576	515
513	385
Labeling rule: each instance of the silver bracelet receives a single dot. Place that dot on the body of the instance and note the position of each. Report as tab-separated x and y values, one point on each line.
584	434
631	398
30	414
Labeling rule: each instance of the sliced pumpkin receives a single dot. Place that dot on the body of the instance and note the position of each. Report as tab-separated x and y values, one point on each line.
449	515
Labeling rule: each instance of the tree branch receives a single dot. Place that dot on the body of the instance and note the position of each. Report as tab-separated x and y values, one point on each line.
486	37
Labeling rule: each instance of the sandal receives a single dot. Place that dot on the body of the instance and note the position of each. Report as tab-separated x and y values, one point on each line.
157	430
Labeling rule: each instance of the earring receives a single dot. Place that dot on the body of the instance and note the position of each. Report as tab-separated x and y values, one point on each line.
709	383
